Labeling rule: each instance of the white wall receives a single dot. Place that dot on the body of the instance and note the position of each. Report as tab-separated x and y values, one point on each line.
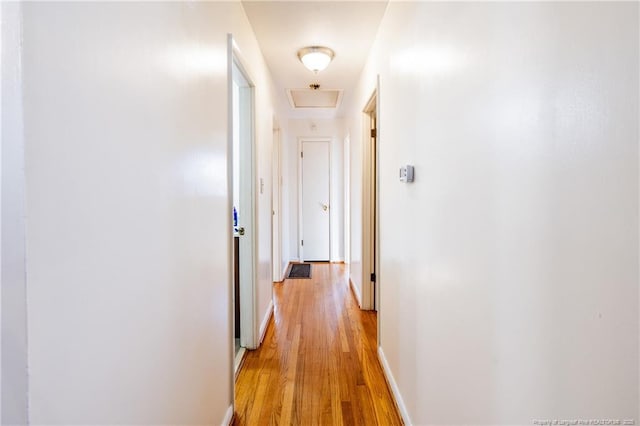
14	381
128	289
509	269
292	131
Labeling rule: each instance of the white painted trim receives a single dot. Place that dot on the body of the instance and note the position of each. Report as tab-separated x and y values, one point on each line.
284	273
356	293
228	417
265	322
300	235
347	197
2	22
394	387
276	204
230	240
292	103
378	271
238	359
14	210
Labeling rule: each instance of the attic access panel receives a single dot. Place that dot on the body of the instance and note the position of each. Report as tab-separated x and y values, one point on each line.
308	98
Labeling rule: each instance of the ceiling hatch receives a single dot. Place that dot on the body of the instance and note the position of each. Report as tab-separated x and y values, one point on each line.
319	98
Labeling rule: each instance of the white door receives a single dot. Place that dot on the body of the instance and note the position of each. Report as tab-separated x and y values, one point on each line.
243	179
315	200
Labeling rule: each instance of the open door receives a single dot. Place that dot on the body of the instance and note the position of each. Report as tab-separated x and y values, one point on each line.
242	183
370	222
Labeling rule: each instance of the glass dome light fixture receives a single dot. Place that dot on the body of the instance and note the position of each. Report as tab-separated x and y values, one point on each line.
316	58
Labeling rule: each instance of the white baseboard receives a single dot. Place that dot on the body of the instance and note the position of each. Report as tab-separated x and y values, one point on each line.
238	360
278	277
265	322
356	293
394	388
228	417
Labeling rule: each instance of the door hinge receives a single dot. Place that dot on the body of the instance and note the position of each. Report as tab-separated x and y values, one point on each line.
373	133
373	277
301	154
301	242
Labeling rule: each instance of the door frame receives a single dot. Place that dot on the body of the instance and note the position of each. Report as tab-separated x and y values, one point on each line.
328	141
276	203
347	198
248	305
371	204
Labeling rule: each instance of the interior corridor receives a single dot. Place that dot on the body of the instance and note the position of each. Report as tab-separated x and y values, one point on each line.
318	362
490	216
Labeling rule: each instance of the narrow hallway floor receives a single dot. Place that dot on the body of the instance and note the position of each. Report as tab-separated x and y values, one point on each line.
318	363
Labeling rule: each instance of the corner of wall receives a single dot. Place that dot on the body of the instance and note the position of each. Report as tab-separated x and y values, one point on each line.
356	293
265	322
285	266
228	417
394	388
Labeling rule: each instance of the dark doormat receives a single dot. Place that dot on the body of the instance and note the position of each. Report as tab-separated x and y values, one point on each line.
300	270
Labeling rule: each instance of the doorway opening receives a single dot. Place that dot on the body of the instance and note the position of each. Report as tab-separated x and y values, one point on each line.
314	196
370	222
242	185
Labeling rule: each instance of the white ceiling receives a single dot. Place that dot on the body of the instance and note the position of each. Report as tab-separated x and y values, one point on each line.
283	27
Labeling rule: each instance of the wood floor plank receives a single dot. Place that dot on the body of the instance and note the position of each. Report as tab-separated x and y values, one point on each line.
318	363
347	414
290	376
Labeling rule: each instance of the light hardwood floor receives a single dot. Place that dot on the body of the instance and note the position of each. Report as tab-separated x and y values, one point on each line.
318	363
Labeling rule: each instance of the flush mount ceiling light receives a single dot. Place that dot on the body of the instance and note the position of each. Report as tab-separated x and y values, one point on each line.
316	58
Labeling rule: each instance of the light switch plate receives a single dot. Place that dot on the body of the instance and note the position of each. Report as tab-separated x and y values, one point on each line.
406	173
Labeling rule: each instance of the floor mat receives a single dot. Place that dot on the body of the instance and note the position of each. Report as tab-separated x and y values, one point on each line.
300	270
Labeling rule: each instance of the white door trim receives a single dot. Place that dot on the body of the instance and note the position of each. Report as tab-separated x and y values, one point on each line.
347	199
276	203
327	140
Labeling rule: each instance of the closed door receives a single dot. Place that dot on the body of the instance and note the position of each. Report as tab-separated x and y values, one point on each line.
315	201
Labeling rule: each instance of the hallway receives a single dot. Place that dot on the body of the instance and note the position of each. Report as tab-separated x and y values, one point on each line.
506	272
318	362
